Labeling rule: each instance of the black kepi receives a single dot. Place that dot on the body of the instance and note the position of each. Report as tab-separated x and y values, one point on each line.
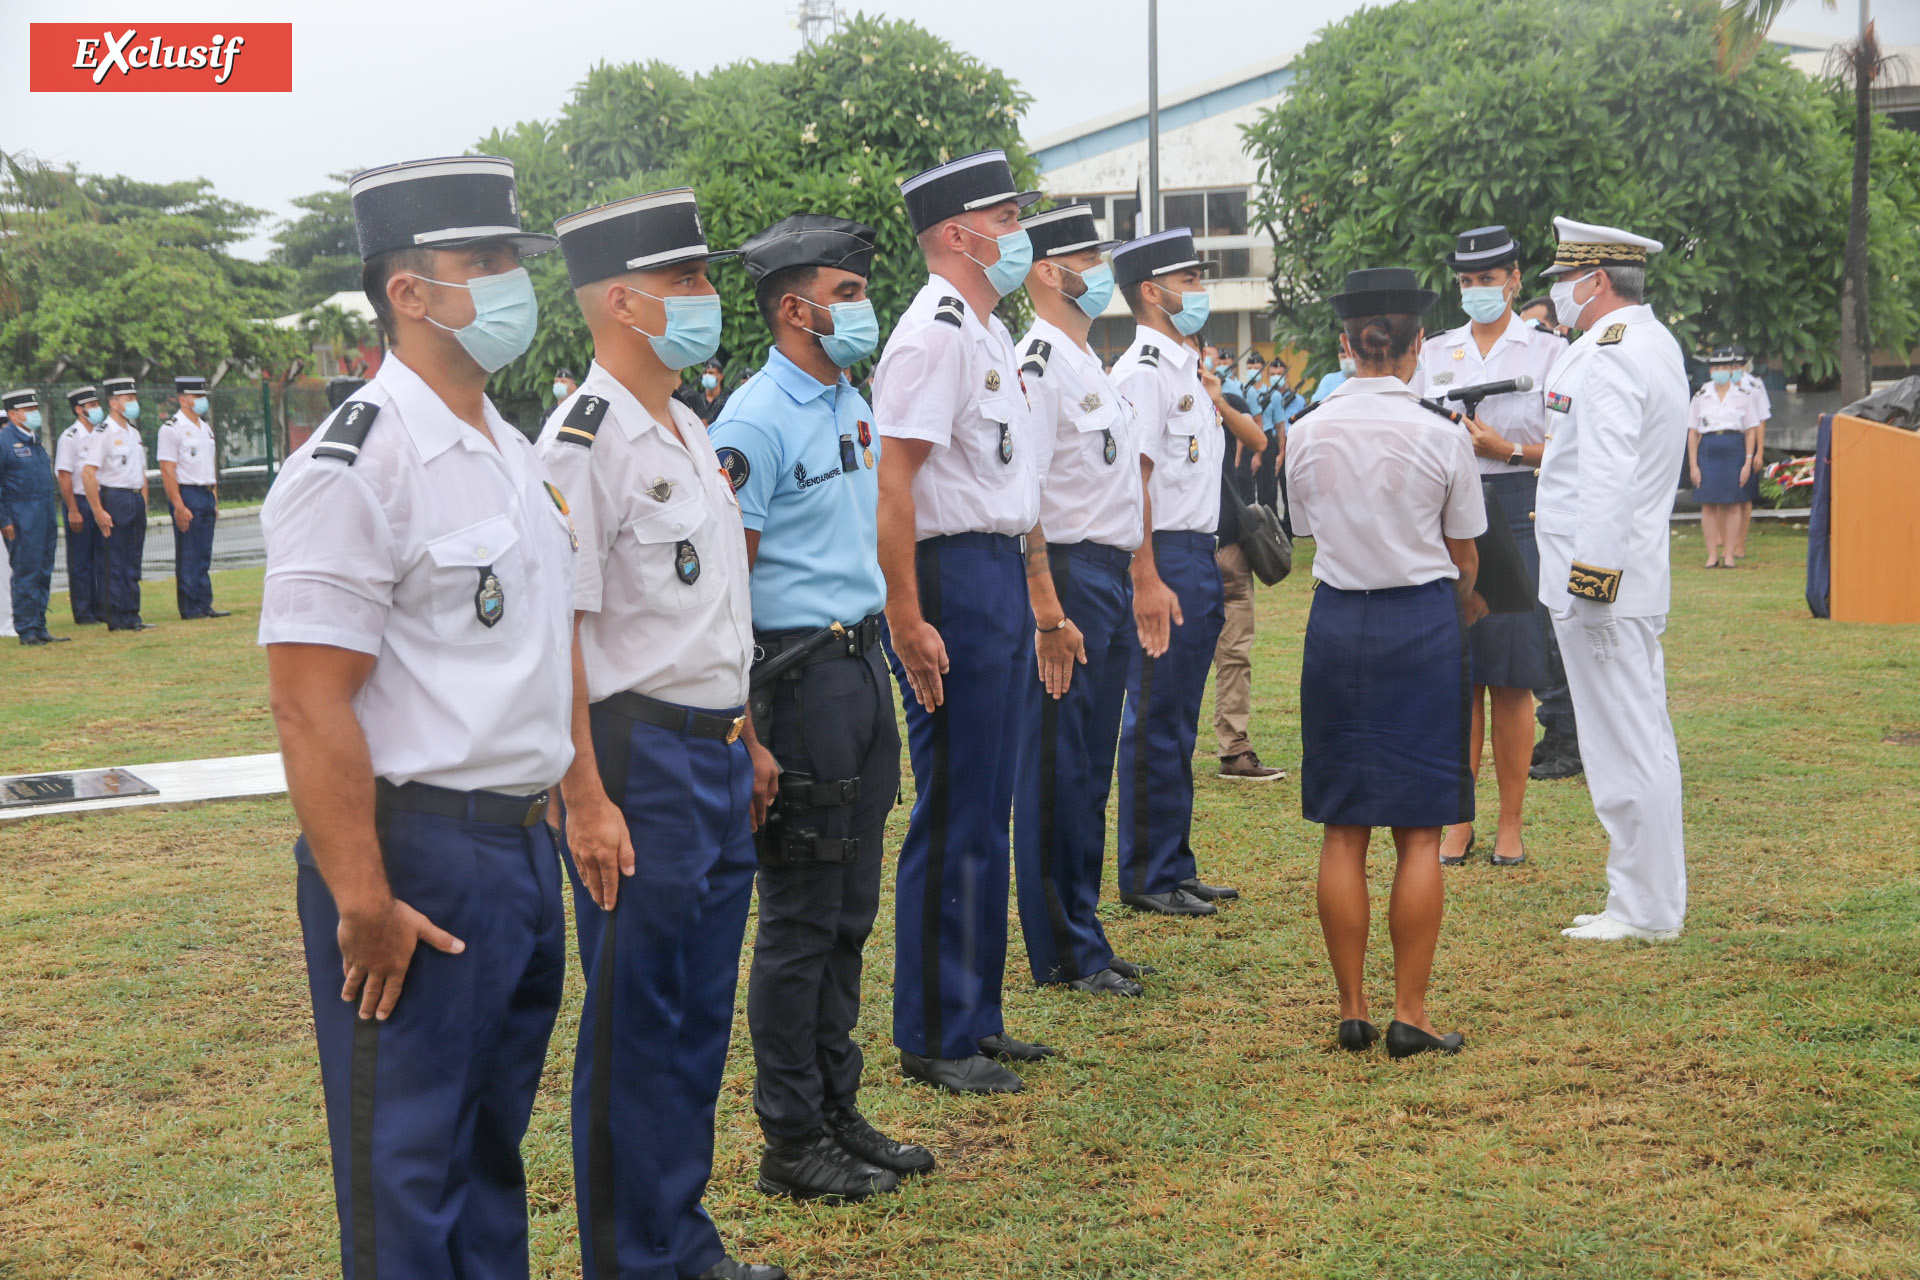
185	382
640	233
1482	248
978	181
1160	254
1068	229
82	395
446	203
809	240
1382	291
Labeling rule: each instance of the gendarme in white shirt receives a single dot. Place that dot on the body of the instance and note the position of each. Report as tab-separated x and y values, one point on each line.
70	453
1379	481
119	454
1452	360
1738	410
1180	431
387	557
1088	440
638	496
952	380
188	445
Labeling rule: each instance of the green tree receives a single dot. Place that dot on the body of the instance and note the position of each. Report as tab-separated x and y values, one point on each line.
1615	111
319	246
342	332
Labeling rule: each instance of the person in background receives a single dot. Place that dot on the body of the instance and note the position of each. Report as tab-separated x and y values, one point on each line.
1721	429
1508	435
115	475
564	384
187	453
1330	381
1387	488
1538	312
29	515
86	556
1756	390
710	396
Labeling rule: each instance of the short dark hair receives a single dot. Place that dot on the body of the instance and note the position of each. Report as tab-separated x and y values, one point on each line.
1131	292
1377	339
776	285
382	267
1542	301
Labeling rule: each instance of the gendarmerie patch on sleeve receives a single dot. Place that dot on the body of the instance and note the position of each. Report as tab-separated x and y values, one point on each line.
1591	583
1039	351
734	463
950	311
1150	356
346	431
583	421
1612	336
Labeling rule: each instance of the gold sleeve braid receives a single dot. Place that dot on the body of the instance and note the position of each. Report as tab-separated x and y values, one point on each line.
1590	583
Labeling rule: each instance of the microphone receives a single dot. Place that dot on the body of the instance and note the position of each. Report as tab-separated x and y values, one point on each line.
1475	394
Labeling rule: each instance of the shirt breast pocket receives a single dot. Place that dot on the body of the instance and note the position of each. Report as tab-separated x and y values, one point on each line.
996	429
477	574
679	567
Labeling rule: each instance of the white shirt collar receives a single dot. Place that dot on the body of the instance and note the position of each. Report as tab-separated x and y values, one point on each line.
1172	350
431	424
1062	342
632	416
1355	385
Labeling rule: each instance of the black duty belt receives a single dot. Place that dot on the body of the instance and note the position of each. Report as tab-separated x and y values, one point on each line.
671	715
1014	543
859	638
466	806
1098	552
1189	538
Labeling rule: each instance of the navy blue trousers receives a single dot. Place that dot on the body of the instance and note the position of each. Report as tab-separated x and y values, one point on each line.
86	567
126	547
426	1111
1066	770
36	539
193	552
661	971
1162	722
950	891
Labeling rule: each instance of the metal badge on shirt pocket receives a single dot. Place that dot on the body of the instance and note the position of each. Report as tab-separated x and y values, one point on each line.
490	598
1193	448
686	563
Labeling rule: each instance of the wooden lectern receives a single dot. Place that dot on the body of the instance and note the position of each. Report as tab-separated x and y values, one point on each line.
1875	486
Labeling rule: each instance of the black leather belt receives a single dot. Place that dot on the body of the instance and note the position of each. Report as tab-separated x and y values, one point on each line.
1014	543
1098	552
466	806
1190	538
671	715
860	637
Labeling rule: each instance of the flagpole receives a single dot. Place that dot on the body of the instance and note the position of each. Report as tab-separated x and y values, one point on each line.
1151	214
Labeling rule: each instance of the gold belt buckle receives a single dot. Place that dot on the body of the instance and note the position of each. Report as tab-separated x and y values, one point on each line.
733	734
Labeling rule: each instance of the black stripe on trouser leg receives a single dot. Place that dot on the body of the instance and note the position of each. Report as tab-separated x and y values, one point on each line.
1142	771
613	751
366	1063
1465	704
938	796
1067	960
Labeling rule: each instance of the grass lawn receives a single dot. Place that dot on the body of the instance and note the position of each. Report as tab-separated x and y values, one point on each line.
1742	1103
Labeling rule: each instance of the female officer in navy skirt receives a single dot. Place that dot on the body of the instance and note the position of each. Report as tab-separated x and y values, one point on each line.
1721	429
1388	490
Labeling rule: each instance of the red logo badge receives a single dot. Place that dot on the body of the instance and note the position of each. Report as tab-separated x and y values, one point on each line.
866	433
164	57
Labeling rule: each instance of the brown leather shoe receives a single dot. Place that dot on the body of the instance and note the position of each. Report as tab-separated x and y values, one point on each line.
1246	767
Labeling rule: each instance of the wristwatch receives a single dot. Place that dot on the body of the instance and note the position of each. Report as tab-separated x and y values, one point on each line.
1058	626
1519	456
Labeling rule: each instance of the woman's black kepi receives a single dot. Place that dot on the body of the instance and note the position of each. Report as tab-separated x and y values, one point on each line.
978	181
1482	248
640	233
439	204
1382	291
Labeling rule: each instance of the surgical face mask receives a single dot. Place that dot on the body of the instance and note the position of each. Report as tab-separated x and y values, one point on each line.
1565	309
1485	303
505	315
1098	293
708	382
1016	259
1348	366
1722	377
200	406
856	331
693	329
131	411
1195	307
96	415
33	419
560	391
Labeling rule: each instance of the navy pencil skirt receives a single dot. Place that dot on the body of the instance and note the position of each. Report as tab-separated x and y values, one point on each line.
1721	453
1510	649
1385	694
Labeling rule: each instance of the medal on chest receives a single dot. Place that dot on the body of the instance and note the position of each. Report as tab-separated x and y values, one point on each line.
1006	442
489	599
1109	450
1559	402
661	489
1193	448
866	442
560	505
686	563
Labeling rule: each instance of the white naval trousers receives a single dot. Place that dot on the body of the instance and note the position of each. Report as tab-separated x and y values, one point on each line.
1632	766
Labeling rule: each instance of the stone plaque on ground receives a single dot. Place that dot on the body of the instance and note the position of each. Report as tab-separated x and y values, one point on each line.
65	788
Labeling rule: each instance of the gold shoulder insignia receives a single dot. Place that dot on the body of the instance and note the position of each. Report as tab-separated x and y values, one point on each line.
1612	336
1590	583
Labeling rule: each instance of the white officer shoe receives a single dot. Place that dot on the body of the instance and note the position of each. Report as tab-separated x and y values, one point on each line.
1604	928
1588	919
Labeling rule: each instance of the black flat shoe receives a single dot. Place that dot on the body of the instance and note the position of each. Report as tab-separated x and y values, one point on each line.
217	613
1405	1040
1007	1049
1209	892
1107	982
1499	861
1357	1035
1177	903
854	1132
1465	853
960	1075
1128	969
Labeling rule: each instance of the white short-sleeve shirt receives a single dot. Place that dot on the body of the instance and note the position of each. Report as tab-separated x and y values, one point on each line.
71	449
120	455
1088	441
950	379
1762	401
1379	481
648	510
1452	360
188	445
390	555
1180	431
1710	412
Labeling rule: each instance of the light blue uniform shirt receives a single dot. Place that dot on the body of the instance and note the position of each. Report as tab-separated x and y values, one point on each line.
1327	383
792	437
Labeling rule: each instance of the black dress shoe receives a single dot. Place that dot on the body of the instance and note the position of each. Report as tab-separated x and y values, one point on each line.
960	1075
819	1168
1108	981
1499	861
1128	969
217	613
56	639
1357	1035
1007	1049
1465	853
1209	892
137	626
853	1132
1555	758
1405	1040
1177	903
734	1269
29	639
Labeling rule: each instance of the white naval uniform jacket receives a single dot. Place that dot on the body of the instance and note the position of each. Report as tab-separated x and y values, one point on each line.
1616	432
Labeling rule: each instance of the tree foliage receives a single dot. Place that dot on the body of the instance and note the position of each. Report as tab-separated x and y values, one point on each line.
1410	123
319	246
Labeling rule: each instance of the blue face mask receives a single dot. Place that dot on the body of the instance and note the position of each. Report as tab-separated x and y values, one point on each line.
33	419
1485	303
132	411
856	332
1099	290
200	406
96	415
1195	307
1722	377
693	329
505	315
560	391
1016	259
708	381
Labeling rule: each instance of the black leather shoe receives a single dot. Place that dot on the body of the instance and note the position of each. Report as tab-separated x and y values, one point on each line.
1128	969
960	1075
1108	981
1357	1035
1209	892
819	1168
1465	853
853	1132
33	640
217	613
1499	861
1177	903
1405	1040
55	639
734	1269
1561	759
1007	1049
138	626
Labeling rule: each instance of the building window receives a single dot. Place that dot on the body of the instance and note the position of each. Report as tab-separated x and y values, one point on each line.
1110	337
1235	264
1188	209
1209	213
1126	210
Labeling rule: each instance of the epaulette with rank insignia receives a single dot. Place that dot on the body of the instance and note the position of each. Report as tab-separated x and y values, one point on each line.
1150	356
950	311
342	435
1039	351
583	421
1612	337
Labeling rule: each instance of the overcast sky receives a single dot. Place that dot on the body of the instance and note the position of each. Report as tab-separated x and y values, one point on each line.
398	79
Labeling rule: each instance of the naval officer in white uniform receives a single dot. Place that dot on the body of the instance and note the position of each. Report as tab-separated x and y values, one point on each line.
1617	429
